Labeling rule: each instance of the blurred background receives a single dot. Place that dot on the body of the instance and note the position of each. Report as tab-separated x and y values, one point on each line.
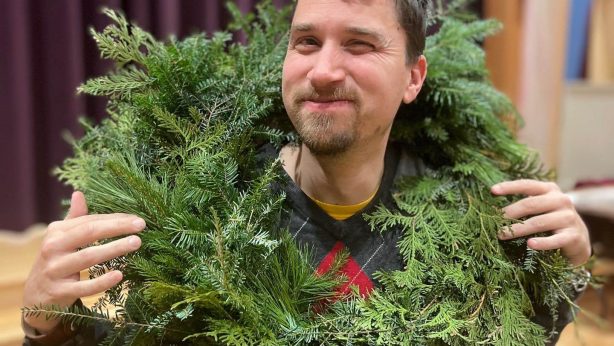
554	59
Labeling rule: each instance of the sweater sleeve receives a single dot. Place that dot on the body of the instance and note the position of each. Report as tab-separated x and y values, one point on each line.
566	315
65	334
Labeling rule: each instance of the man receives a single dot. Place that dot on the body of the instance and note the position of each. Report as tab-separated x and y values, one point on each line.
349	65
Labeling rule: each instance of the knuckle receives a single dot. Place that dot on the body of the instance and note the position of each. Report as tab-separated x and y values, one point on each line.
54	227
574	238
552	186
48	270
569	217
54	292
91	229
566	201
87	256
121	215
120	223
538	223
49	248
529	204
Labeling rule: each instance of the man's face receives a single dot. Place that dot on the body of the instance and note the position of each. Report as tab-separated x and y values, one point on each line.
345	73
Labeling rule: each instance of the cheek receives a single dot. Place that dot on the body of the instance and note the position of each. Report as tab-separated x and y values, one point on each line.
291	72
285	84
379	77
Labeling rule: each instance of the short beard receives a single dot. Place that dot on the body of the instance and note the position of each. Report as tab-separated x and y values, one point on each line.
316	135
315	130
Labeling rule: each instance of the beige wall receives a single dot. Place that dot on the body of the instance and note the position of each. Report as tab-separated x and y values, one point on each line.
527	61
586	149
542	67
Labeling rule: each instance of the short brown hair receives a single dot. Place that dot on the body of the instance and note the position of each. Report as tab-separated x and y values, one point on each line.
412	15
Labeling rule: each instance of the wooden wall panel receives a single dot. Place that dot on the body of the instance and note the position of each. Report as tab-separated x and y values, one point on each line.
503	50
527	61
600	59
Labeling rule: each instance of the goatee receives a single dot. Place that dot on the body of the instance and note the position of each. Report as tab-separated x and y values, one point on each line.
317	130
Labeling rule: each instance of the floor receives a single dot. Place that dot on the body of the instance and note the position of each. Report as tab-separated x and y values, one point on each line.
594	326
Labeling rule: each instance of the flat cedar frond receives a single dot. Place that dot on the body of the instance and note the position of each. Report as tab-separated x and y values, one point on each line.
180	150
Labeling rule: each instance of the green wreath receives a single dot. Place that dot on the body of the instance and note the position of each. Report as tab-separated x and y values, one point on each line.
179	149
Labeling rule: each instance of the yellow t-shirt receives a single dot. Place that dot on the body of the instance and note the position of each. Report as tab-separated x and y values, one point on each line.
342	212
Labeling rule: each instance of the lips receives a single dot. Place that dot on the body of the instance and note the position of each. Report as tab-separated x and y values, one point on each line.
324	104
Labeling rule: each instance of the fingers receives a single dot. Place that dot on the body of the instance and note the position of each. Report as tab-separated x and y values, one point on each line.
75	233
78	206
525	187
83	259
54	277
540	223
550	210
569	241
537	205
555	241
81	220
102	228
94	286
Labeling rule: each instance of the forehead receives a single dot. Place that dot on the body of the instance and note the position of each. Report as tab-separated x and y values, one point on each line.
341	11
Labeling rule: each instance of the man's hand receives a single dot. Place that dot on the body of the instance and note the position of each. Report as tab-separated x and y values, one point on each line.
550	210
54	278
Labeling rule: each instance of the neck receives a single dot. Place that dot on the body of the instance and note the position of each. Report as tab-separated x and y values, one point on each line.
345	179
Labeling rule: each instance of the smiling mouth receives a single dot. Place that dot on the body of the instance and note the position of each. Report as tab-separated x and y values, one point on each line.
319	105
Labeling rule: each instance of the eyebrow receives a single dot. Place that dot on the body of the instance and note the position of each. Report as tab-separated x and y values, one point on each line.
362	31
302	27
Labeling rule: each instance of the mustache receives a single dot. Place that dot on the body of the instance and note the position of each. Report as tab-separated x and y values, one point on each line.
330	95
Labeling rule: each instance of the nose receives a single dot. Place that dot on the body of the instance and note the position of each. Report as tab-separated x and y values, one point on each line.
327	69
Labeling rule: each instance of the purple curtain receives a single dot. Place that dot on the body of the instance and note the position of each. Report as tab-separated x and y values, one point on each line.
45	53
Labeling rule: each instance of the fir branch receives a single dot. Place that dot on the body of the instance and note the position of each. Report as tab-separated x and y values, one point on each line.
215	268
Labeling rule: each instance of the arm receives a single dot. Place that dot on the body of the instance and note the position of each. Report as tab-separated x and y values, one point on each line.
54	278
549	210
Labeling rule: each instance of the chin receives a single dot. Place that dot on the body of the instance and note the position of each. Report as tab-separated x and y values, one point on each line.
328	143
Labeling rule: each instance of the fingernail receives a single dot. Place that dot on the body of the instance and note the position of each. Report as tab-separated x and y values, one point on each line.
532	243
496	189
116	275
505	232
139	223
134	241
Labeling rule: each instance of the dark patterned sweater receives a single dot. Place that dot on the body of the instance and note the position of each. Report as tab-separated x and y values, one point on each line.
368	251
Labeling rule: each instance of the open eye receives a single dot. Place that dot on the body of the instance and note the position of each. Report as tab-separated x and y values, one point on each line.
306	44
359	47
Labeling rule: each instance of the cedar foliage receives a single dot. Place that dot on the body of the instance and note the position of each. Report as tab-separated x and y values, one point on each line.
179	149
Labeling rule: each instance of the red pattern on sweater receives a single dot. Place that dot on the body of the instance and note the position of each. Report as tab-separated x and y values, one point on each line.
351	269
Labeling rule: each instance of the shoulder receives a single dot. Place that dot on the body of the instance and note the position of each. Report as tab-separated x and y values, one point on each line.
403	161
265	153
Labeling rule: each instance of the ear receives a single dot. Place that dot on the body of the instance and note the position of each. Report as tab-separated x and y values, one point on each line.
417	74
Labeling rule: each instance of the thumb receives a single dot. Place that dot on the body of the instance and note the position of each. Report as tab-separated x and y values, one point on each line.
78	206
